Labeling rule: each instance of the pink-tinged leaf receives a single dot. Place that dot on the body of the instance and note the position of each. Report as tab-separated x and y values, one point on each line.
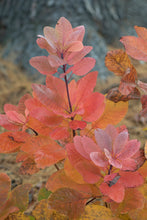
83	66
49	98
112	160
10	107
126	88
21	104
7	124
5	186
60	180
15	117
103	140
67	201
120	141
77	124
135	47
75	57
129	164
63	29
55	61
129	149
115	192
85	145
130	179
142	85
99	159
78	33
113	132
44	44
12	141
41	63
51	38
74	46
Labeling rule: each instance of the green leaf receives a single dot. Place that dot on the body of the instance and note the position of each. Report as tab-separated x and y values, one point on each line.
43	194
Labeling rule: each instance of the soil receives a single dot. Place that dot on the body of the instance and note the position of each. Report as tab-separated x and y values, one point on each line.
15	83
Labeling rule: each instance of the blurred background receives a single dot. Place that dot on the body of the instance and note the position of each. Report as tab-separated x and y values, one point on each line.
105	22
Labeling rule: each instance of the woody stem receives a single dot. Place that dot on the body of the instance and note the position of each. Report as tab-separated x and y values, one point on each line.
110	168
68	96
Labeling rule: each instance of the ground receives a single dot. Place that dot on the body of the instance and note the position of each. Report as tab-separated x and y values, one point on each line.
15	83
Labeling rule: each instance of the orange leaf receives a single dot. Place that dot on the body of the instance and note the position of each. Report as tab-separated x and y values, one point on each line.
60	180
68	202
113	114
145	149
42	211
11	141
72	173
20	196
28	167
116	96
5	185
18	216
98	212
118	62
139	213
143	170
133	200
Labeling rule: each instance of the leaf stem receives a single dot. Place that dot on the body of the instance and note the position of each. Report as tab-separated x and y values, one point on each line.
109	171
68	96
56	167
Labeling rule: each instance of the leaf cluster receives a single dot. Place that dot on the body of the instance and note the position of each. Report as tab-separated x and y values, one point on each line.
102	173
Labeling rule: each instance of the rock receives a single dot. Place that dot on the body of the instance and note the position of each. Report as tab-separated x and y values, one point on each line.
105	21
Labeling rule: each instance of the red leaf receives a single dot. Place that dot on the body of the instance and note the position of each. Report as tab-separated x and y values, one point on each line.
136	47
11	142
130	179
116	192
83	66
45	151
77	125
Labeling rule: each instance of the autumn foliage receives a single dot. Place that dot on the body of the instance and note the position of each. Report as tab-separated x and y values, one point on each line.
102	172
